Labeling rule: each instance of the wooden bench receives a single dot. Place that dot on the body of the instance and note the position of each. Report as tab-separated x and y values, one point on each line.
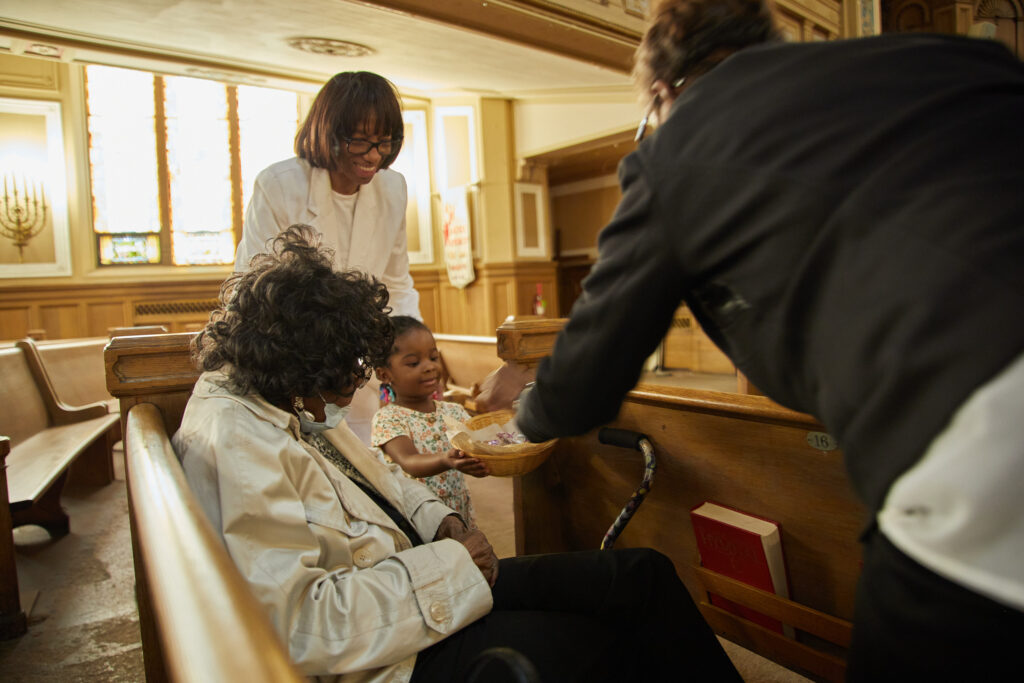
465	360
199	620
739	450
47	438
75	367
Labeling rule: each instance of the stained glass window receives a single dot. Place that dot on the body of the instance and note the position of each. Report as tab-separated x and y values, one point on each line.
199	170
173	160
122	151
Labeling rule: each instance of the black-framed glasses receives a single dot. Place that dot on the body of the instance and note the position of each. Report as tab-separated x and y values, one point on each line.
655	105
641	130
361	146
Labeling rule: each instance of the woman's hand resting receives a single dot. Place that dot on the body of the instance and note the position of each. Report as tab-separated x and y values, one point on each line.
476	543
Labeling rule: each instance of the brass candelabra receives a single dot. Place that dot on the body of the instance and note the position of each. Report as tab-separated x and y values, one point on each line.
22	217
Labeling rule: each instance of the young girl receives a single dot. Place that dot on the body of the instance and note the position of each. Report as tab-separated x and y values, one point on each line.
410	428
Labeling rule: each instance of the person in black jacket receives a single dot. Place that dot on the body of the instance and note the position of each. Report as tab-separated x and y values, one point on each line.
846	222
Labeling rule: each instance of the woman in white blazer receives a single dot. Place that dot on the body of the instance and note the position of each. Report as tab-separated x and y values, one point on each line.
365	574
340	184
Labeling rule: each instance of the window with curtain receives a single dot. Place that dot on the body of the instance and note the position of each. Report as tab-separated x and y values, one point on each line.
172	162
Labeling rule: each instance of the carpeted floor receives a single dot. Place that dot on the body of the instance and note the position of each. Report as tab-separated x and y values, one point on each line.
83	626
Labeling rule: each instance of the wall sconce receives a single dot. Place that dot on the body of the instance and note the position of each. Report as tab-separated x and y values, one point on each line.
22	217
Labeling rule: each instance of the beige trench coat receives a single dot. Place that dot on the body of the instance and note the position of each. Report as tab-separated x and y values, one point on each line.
343	587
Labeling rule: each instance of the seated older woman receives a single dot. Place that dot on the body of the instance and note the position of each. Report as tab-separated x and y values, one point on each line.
365	574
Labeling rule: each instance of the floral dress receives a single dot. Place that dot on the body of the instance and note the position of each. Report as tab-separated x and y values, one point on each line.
427	432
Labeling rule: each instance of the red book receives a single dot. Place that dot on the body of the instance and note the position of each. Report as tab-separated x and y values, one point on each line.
743	547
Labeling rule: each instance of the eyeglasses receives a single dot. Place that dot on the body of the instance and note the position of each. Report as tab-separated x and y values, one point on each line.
654	107
360	146
641	130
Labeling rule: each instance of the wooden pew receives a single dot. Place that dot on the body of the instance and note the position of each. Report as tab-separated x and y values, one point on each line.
739	450
135	331
47	438
199	620
466	360
75	366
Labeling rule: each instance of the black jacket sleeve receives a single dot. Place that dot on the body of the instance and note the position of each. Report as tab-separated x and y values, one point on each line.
627	305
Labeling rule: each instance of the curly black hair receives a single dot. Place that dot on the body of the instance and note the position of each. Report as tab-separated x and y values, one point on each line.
690	37
293	326
401	324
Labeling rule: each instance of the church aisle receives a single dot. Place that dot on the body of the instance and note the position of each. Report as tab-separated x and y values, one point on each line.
83	625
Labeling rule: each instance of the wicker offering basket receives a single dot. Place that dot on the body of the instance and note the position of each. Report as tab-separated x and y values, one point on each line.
503	461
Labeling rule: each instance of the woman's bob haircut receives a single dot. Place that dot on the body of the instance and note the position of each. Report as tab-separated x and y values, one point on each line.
346	102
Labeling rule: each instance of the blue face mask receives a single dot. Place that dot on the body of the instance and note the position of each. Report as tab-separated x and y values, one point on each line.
333	415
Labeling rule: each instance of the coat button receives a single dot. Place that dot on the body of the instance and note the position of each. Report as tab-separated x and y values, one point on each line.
438	612
363	558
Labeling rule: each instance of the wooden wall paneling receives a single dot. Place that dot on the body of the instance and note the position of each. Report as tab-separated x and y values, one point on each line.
77	310
427	283
570	284
15	322
688	347
101	316
709	357
500	290
811	16
789	25
457	308
62	320
579	211
680	342
503	303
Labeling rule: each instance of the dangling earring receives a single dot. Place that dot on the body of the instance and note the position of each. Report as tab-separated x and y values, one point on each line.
300	408
387	394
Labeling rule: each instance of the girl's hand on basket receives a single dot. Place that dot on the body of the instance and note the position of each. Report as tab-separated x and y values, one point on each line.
466	464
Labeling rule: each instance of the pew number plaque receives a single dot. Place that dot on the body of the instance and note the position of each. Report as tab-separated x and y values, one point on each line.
822	441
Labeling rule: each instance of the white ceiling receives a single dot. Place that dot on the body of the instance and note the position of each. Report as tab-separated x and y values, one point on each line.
250	37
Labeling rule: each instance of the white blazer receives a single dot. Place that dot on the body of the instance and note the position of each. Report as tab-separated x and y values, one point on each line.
292	191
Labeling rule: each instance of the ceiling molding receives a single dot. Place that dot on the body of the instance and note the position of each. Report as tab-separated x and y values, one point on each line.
156	58
533	23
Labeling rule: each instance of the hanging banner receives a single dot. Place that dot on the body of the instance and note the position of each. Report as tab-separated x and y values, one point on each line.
458	250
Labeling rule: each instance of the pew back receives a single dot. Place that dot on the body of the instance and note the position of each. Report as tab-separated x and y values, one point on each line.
738	450
24	412
199	620
78	363
466	361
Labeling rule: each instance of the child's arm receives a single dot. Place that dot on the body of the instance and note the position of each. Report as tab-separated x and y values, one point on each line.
402	450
